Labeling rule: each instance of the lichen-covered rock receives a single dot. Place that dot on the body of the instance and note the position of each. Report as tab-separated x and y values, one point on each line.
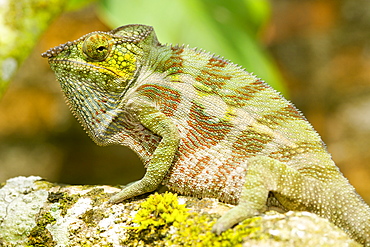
19	206
34	212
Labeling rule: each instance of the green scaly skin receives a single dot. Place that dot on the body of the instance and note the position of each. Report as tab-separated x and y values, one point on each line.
203	126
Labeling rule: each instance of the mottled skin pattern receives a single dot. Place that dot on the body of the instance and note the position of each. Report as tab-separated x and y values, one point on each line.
203	126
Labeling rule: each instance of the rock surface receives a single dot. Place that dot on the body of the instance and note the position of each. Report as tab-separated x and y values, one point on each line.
34	212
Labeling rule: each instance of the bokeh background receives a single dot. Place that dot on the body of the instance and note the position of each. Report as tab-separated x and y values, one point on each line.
317	52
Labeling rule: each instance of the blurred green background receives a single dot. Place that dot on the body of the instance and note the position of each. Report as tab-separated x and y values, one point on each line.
316	52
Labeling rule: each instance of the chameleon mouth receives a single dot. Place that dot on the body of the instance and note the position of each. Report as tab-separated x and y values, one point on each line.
106	79
82	65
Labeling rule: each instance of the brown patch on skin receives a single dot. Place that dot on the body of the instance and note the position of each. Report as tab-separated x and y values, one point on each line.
225	178
287	113
260	82
291	112
177	50
248	91
250	143
175	63
166	97
216	62
204	131
240	96
213	73
286	153
201	164
210	78
271	120
234	100
190	144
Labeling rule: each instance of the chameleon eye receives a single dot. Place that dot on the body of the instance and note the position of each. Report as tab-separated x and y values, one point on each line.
97	46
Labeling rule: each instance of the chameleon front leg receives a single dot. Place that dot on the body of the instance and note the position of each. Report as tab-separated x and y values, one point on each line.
162	158
264	175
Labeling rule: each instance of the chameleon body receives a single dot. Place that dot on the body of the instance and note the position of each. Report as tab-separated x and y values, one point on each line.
203	126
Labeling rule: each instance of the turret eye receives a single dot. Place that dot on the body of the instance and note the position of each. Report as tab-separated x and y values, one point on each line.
97	46
101	48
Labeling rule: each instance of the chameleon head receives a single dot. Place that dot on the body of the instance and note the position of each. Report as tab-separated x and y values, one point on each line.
108	60
98	68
